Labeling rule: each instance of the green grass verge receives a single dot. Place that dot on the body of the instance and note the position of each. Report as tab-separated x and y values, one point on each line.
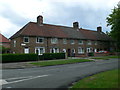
60	62
105	57
108	79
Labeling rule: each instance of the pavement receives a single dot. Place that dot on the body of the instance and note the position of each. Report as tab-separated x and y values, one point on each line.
22	65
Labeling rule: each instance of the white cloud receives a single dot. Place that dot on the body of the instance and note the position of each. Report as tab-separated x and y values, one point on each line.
7	28
52	9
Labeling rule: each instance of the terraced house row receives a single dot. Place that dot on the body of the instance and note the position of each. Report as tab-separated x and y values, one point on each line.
38	37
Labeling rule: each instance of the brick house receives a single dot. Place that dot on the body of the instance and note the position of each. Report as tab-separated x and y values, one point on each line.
4	41
38	37
4	44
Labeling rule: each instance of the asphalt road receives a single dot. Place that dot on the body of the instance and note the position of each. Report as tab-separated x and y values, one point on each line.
60	76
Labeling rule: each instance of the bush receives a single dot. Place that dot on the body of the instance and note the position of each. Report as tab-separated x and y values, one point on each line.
18	57
91	54
50	56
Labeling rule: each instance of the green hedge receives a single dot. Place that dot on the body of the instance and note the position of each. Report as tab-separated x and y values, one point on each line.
18	57
91	54
50	56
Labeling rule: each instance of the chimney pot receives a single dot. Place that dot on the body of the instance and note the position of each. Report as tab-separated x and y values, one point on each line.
40	20
99	29
75	25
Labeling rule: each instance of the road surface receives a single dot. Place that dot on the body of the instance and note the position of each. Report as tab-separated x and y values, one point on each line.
61	76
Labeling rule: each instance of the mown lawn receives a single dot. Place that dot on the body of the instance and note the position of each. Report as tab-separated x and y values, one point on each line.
108	79
60	62
105	57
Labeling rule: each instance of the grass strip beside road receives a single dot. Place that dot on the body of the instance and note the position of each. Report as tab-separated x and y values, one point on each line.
108	79
60	62
105	57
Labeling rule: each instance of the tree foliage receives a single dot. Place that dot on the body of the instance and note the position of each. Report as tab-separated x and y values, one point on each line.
113	20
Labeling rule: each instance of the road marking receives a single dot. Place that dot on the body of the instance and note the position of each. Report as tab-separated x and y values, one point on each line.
18	78
27	78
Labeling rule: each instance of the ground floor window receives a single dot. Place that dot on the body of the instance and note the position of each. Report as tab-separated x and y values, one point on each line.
39	50
95	50
54	50
64	50
26	50
89	49
80	50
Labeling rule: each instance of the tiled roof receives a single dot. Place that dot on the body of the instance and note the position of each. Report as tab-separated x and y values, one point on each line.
3	39
47	30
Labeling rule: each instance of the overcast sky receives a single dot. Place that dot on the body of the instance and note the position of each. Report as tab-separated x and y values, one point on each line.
14	14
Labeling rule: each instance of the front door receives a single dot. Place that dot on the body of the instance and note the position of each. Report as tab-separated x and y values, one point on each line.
69	52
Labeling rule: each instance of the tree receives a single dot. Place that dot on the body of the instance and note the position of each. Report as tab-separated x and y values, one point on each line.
113	20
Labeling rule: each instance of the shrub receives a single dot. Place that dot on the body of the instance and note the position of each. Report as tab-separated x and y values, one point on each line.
91	54
50	56
18	57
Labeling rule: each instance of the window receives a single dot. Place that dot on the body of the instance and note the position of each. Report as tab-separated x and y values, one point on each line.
14	43
90	49
54	40
89	42
26	39
72	42
39	40
39	50
96	43
26	50
95	50
64	41
80	42
80	50
54	50
64	50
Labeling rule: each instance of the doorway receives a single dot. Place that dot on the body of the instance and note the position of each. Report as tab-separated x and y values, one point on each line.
69	52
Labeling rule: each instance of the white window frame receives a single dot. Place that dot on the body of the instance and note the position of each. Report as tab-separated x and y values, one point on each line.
89	42
95	50
14	43
54	40
55	50
79	42
73	50
26	50
72	41
81	50
39	52
64	50
38	40
64	41
89	49
96	43
24	39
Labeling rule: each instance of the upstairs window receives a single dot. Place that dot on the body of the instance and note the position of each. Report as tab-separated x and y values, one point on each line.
64	41
96	43
14	43
72	42
80	42
89	43
26	40
39	40
54	40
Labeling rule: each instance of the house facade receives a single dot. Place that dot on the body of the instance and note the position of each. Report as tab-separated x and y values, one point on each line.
38	37
4	42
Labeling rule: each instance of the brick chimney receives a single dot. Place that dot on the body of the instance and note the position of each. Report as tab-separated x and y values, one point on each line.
75	25
40	20
99	29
